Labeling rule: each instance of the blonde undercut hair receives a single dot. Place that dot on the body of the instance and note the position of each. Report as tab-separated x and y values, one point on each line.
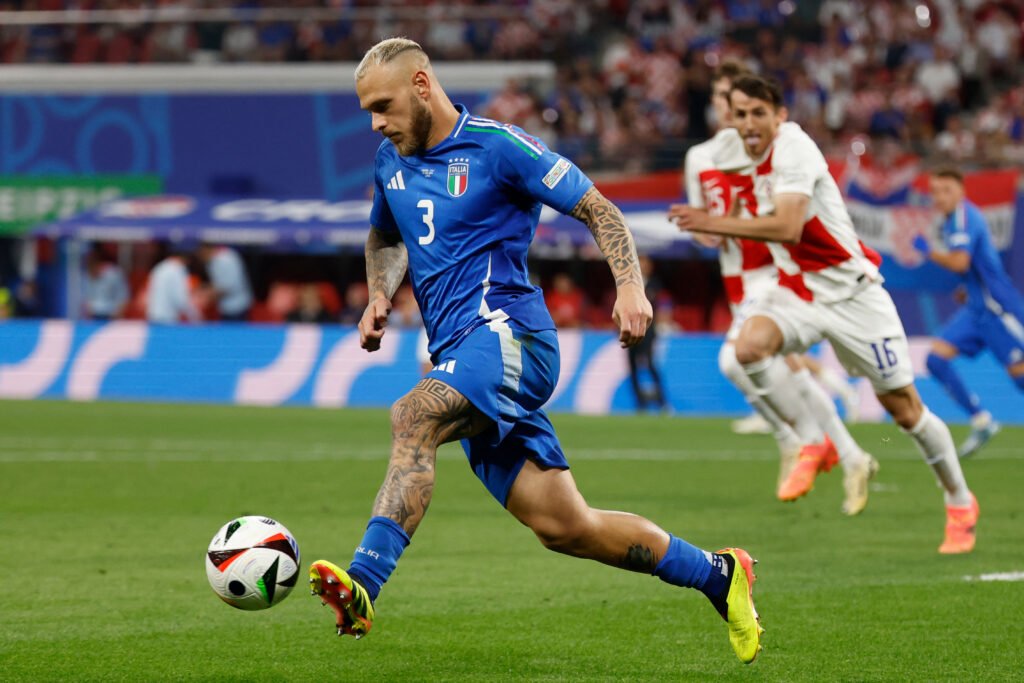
387	51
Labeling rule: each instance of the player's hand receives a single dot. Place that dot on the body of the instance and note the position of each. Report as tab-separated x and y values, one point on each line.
373	322
688	218
922	244
632	313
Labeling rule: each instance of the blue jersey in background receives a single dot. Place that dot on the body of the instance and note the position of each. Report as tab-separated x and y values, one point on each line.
988	285
467	210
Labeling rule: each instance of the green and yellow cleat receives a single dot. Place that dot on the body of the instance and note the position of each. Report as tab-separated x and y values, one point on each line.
345	596
738	609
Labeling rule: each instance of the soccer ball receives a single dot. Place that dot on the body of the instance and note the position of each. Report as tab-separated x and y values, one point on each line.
252	563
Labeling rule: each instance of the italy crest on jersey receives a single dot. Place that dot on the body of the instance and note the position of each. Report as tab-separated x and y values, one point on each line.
458	177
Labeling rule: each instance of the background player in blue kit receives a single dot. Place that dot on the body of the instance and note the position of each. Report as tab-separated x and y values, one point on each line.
993	316
456	202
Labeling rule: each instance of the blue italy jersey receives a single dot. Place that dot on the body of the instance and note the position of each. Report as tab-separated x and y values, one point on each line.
467	210
988	285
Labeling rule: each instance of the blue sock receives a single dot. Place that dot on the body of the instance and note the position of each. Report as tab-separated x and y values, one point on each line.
687	565
943	371
377	554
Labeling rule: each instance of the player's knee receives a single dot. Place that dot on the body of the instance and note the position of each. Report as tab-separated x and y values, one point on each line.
751	350
407	420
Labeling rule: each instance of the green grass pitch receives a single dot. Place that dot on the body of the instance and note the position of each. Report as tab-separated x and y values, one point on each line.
106	511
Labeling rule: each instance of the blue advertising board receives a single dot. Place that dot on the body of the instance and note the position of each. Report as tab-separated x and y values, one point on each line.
308	365
285	145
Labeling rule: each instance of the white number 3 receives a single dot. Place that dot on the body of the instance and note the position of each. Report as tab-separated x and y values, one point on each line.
428	218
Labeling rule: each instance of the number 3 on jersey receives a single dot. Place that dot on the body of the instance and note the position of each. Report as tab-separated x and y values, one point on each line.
428	218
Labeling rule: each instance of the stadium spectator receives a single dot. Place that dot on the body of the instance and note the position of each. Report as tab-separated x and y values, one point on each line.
229	282
565	301
357	297
106	288
310	307
168	296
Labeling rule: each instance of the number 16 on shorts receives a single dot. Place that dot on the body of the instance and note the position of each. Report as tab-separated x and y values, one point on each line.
885	357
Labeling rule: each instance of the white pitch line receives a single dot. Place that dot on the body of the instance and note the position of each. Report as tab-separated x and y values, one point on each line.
999	576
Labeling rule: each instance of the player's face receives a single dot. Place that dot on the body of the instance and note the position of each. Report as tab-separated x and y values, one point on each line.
757	121
720	102
396	112
946	193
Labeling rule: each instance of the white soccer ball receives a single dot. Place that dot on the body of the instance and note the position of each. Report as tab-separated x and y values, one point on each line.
252	563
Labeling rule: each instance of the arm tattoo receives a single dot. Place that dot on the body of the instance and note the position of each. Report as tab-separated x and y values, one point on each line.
608	226
386	261
639	558
431	414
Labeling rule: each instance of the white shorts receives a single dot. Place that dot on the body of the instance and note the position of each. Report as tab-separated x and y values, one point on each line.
865	331
756	286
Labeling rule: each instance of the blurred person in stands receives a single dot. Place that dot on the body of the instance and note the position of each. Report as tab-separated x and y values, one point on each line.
462	233
168	299
357	297
830	288
310	307
565	301
106	288
229	283
993	317
806	421
641	356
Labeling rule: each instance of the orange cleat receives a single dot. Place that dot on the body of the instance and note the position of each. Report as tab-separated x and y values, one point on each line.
960	528
814	458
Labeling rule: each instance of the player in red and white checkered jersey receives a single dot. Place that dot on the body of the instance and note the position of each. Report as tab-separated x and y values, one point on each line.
718	178
830	289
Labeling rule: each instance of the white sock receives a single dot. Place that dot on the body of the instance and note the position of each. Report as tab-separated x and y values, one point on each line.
824	411
830	379
733	371
776	387
936	445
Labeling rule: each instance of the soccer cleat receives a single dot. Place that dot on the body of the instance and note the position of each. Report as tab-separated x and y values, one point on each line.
855	484
348	599
814	458
751	424
738	607
978	437
960	528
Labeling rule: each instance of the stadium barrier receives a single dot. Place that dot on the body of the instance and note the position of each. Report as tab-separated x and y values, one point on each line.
309	365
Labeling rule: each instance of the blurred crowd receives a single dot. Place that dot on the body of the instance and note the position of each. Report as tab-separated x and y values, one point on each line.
936	77
194	283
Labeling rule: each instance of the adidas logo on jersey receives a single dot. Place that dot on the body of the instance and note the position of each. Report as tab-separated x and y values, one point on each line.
447	366
396	182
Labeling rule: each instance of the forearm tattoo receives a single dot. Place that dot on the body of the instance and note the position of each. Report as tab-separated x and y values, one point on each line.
608	226
639	558
386	261
431	414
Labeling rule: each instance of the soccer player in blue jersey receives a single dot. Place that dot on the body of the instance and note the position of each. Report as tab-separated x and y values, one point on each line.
456	202
993	316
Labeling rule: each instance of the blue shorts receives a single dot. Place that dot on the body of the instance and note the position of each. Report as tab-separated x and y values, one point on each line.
972	331
508	374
